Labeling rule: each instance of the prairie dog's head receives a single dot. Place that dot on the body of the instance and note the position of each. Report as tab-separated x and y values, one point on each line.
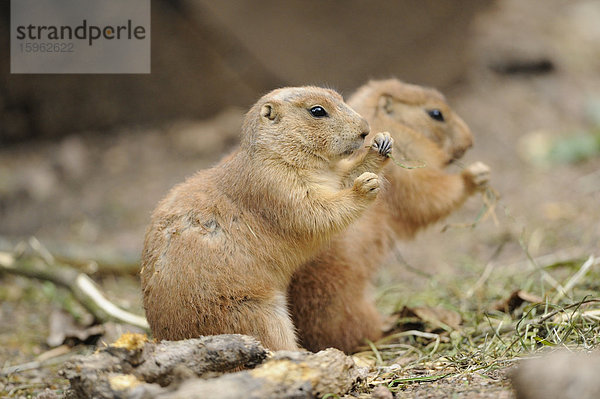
304	124
389	103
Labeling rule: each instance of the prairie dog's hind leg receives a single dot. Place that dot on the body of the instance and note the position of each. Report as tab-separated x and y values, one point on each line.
272	324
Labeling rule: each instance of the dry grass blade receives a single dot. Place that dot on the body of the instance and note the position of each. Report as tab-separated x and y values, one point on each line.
576	277
408	163
427	378
490	198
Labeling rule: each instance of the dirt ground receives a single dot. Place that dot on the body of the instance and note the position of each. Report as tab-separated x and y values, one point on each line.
532	90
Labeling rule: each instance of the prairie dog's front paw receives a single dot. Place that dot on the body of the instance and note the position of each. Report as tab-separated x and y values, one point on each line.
367	185
479	174
382	143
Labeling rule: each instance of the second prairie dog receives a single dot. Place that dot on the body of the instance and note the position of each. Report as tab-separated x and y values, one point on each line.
426	130
222	246
330	296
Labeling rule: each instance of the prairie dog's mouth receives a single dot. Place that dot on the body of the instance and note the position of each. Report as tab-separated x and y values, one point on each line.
452	161
455	156
458	154
353	147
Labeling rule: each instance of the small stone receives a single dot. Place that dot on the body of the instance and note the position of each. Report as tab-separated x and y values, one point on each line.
558	375
382	392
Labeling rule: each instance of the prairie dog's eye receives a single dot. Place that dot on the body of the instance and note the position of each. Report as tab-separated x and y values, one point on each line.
436	114
318	112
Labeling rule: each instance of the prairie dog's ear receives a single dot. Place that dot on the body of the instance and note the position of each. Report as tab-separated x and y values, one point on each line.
385	103
269	111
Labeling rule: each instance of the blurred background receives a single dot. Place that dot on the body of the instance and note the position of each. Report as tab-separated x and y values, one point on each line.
85	158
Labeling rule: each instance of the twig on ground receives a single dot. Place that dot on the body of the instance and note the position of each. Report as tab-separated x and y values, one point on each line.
25	386
39	362
91	259
81	286
54	352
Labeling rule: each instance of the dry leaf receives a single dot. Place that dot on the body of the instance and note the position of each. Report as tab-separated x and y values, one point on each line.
64	329
515	300
428	318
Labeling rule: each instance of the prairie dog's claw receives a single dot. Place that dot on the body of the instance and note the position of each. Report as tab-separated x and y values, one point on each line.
367	184
383	143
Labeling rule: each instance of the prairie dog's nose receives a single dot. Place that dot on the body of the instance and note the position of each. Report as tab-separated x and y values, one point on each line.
469	142
364	128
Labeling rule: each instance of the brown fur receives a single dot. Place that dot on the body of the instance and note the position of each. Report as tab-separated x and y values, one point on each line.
330	296
222	246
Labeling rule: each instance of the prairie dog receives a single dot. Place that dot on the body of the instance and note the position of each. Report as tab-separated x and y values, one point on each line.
330	296
426	130
222	246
